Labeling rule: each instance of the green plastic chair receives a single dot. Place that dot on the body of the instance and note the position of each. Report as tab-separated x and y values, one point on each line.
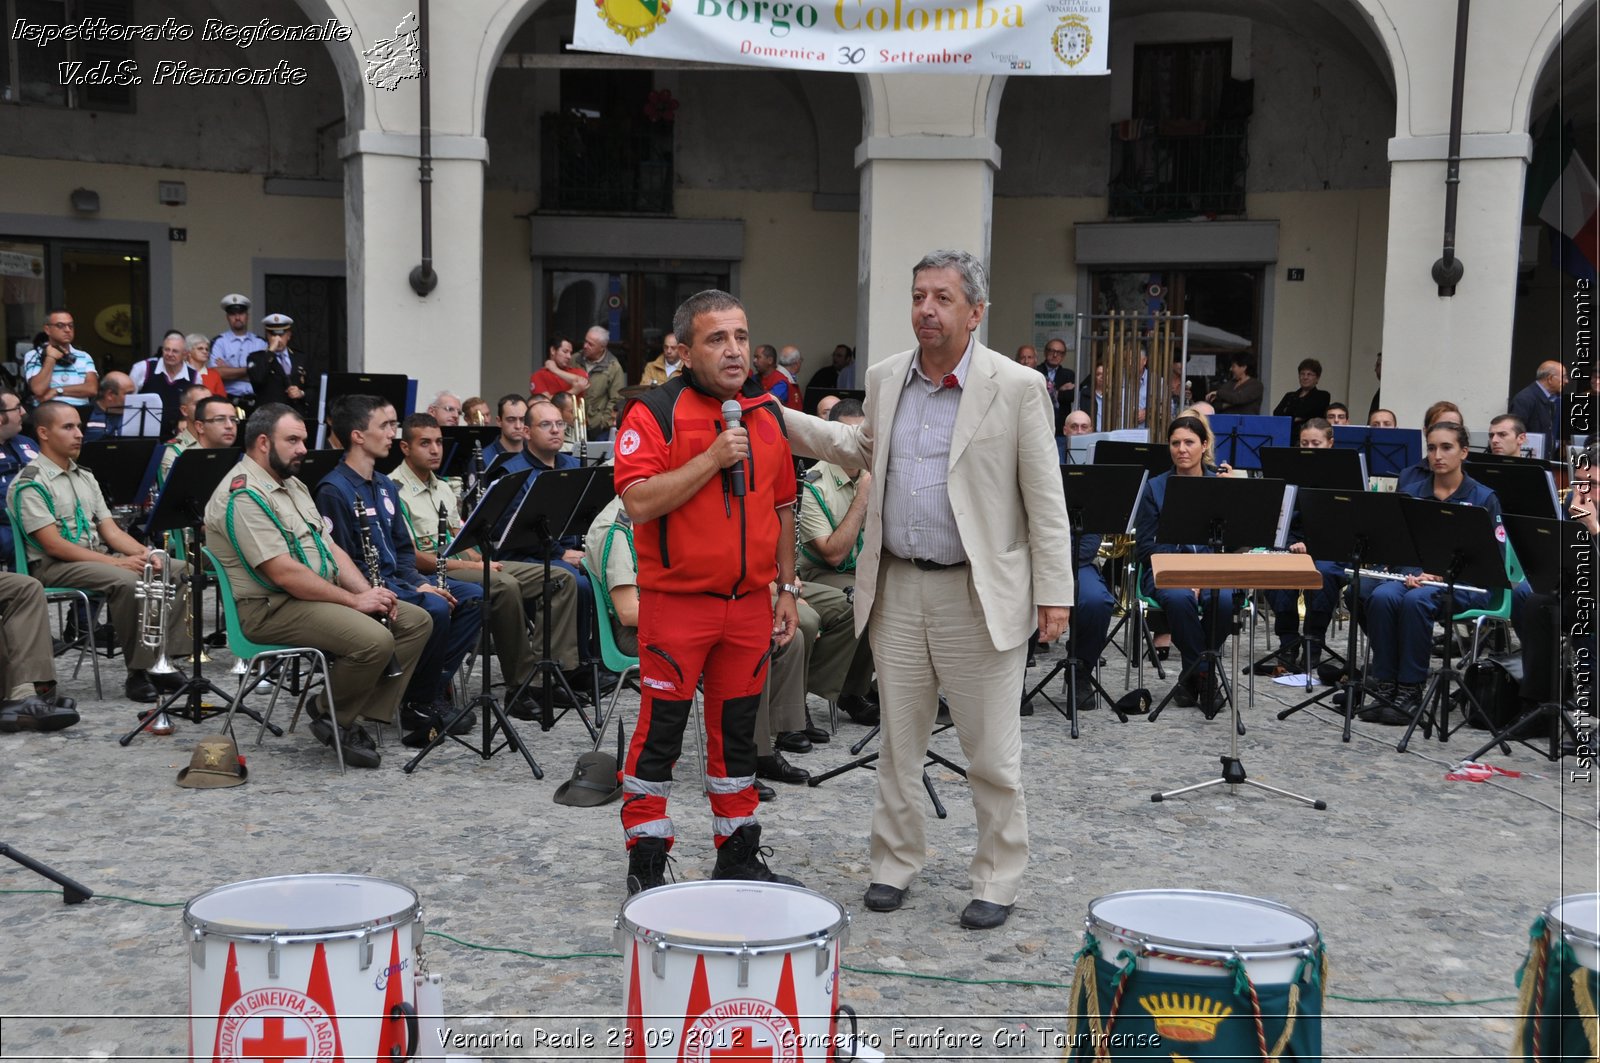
63	594
1500	608
611	654
263	661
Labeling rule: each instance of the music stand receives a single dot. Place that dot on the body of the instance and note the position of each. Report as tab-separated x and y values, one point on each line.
560	502
1154	458
478	532
1459	543
1364	528
1102	500
1389	451
458	446
1541	545
1325	468
870	762
181	507
393	388
317	464
1240	437
1227	514
1526	488
119	466
141	415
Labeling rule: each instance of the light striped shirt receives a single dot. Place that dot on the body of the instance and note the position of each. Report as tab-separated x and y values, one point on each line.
234	352
918	522
62	376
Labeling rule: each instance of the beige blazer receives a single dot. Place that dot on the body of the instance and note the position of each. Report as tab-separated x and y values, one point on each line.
1005	487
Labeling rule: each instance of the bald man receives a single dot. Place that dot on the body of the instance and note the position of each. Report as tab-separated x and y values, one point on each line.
1538	406
104	417
1078	424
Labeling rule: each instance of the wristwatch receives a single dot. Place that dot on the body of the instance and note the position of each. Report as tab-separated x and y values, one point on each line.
792	588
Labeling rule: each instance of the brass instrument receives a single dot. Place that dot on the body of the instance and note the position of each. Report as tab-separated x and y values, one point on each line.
155	592
580	428
372	567
440	544
1118	340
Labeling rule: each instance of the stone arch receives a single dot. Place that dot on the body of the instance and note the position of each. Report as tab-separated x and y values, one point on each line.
1546	48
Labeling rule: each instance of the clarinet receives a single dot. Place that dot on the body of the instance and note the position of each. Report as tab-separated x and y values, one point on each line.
440	544
474	490
374	573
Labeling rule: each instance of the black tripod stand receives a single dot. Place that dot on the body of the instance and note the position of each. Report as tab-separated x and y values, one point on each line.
871	759
561	502
478	532
1541	545
71	892
1101	497
181	507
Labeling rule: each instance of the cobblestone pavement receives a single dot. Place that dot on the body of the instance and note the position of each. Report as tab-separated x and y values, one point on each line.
1424	889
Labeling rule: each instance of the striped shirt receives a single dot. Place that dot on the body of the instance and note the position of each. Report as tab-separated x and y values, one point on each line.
918	522
234	352
63	376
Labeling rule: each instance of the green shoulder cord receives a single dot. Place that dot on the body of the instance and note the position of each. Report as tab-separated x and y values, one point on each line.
325	562
161	474
605	562
80	524
849	562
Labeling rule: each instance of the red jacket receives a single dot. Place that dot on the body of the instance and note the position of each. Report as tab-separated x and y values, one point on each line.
715	543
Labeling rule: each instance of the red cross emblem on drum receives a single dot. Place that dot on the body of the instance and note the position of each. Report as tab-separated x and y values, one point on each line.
276	1026
742	1029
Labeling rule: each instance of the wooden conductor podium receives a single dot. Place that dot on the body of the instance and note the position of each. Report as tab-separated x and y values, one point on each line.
1270	571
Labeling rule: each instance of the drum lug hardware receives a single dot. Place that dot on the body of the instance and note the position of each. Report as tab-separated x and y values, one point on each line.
824	957
658	959
744	967
272	957
197	948
366	949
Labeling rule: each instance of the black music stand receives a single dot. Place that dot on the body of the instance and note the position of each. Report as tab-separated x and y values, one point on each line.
1389	451
1325	468
1458	542
181	507
478	532
1154	458
1228	514
1541	545
458	446
317	464
870	762
1523	486
72	892
1240	437
119	466
560	503
1365	528
1103	500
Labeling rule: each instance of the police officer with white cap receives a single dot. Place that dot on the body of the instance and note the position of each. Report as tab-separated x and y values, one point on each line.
278	374
231	350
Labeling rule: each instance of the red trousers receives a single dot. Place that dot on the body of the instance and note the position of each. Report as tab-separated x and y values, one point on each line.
682	639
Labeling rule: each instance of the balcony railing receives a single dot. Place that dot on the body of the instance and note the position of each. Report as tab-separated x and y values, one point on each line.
1159	173
594	165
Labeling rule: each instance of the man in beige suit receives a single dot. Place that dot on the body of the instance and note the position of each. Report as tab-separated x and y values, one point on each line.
965	483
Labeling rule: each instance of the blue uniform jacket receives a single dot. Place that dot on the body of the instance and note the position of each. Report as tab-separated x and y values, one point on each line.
14	454
1155	496
336	497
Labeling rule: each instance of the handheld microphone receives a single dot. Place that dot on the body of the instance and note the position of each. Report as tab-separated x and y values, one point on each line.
731	414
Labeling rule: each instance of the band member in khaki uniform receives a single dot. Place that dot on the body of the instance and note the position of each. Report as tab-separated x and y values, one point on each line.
517	585
27	667
295	586
72	541
187	436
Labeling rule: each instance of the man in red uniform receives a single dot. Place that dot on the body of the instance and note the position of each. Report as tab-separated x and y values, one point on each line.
713	514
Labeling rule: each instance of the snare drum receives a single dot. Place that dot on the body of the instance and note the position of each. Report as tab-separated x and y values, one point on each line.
1188	973
732	969
1559	983
319	967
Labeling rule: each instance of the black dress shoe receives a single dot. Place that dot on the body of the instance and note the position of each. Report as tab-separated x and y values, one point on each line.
37	713
1083	692
778	769
818	736
765	792
984	915
792	742
137	687
883	898
358	748
860	709
167	682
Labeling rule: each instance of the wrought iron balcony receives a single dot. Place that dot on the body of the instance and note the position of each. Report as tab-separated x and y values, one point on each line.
605	166
1178	169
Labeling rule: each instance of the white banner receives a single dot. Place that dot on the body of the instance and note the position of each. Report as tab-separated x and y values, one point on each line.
857	36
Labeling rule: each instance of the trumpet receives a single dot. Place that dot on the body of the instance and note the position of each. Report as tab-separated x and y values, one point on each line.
580	429
156	590
371	564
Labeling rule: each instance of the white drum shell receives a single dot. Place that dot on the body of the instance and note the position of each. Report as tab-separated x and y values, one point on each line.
1577	919
274	926
1270	938
745	932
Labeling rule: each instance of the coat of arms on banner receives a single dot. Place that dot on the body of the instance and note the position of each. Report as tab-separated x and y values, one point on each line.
632	19
1072	39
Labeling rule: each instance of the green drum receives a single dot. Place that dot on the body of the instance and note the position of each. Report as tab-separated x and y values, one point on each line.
1180	975
1559	983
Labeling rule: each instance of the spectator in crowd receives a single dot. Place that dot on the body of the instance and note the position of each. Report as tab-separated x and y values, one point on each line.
558	373
57	370
1028	356
445	409
197	349
1538	406
1242	392
606	381
1377	371
231	350
103	420
1308	400
668	362
839	374
789	359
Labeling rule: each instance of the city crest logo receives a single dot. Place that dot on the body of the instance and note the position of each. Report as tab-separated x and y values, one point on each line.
1072	40
632	19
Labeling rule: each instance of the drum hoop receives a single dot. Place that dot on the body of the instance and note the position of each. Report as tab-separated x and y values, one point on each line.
297	935
1201	949
659	939
1566	931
